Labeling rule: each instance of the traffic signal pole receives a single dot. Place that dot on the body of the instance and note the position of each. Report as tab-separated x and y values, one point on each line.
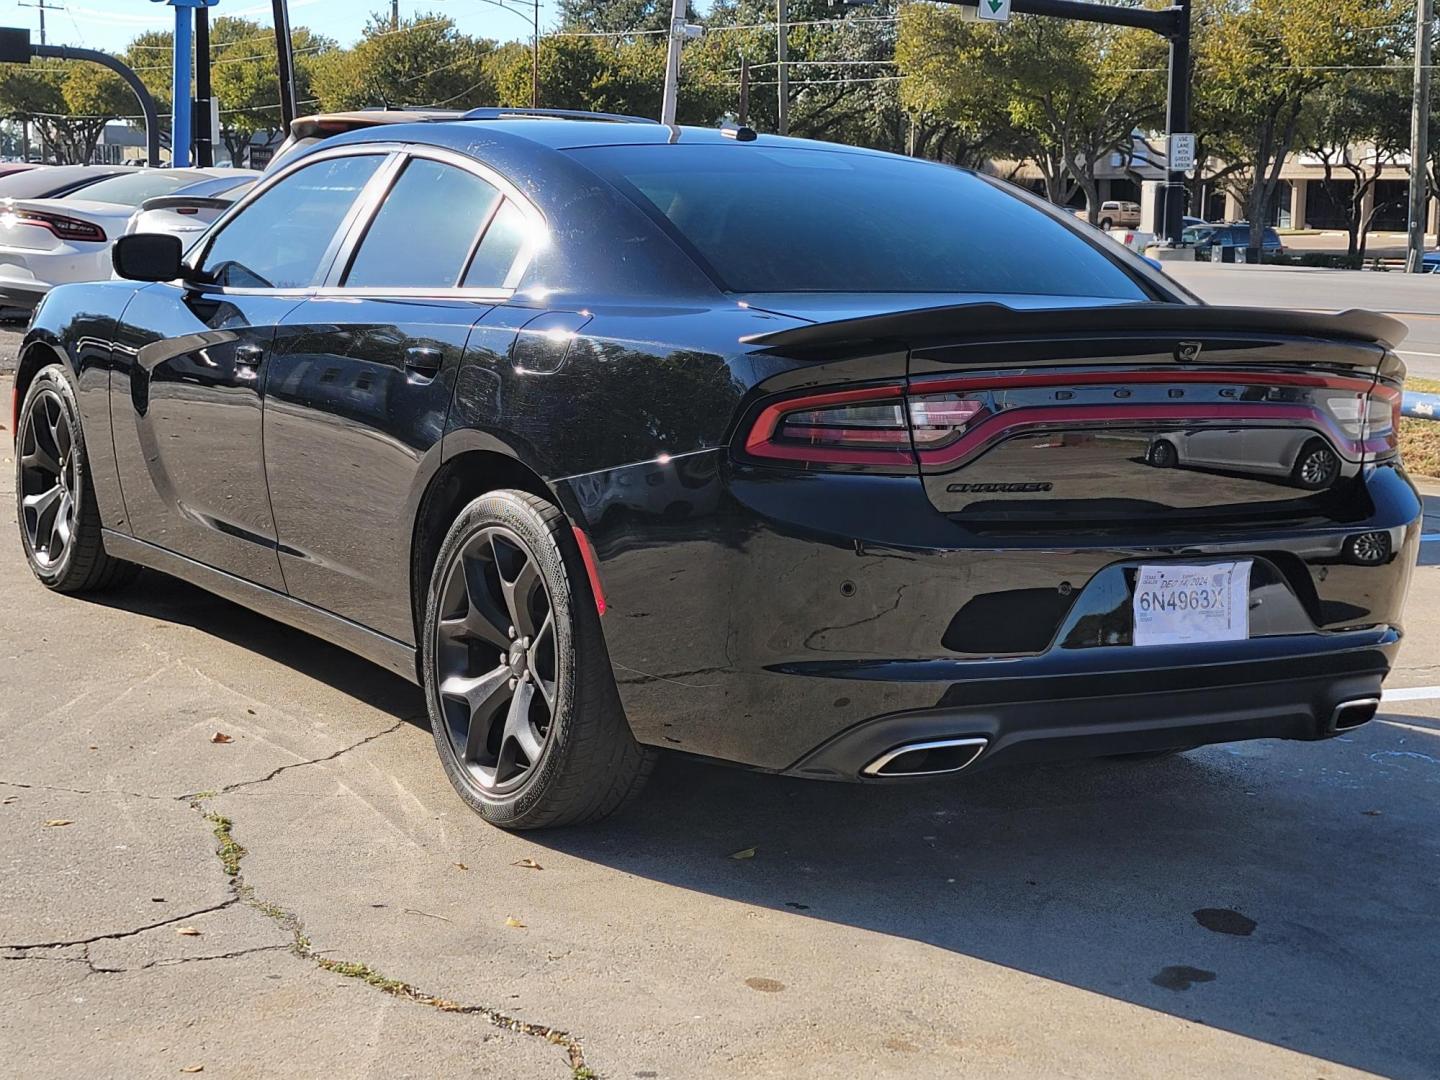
1173	24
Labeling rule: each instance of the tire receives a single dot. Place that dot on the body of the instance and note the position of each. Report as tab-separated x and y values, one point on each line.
54	502
1163	455
550	744
1106	224
1316	466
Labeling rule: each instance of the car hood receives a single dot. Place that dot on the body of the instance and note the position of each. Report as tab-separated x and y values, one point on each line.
833	307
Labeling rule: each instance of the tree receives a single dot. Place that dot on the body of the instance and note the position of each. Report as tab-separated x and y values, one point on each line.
246	77
68	103
1358	126
1064	92
427	62
1259	62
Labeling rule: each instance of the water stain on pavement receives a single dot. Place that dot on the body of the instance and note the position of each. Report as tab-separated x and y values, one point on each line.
1180	977
765	986
1225	921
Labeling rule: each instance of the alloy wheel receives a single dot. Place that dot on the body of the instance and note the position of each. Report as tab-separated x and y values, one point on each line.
49	480
495	652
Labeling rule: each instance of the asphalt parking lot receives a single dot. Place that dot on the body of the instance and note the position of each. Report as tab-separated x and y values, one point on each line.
228	846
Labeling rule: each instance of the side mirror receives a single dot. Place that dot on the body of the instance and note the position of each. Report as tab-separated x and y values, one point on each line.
148	257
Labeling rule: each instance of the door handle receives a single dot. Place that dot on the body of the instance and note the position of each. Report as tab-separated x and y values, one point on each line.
423	360
247	359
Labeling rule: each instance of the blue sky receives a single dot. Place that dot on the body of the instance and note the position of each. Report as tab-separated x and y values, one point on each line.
110	24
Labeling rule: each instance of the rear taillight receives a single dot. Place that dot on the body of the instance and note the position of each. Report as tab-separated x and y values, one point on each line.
877	426
843	427
65	228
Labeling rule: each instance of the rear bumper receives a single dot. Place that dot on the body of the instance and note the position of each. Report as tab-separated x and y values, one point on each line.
796	623
27	276
1294	693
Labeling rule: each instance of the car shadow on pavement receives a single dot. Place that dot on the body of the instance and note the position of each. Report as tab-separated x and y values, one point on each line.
1272	890
162	597
1218	887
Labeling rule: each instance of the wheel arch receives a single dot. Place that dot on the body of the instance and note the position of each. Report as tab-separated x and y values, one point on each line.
458	481
34	357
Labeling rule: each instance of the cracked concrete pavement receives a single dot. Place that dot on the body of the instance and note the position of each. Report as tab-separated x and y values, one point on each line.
1267	909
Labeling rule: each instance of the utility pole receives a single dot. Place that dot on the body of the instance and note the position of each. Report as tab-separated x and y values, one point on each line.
680	30
1420	133
1177	121
744	118
782	55
43	7
394	14
534	57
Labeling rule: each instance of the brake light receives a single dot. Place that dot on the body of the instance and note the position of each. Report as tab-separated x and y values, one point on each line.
843	427
65	228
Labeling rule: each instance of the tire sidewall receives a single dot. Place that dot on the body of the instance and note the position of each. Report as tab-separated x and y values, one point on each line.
513	512
53	381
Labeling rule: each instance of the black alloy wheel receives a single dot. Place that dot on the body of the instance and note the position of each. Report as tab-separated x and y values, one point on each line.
495	653
58	516
1163	455
522	701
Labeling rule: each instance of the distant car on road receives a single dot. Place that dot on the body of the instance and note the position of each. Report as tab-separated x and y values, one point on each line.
1237	235
46	242
1430	264
1114	214
189	211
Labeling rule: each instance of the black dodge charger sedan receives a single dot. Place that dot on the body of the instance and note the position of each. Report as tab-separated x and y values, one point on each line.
618	437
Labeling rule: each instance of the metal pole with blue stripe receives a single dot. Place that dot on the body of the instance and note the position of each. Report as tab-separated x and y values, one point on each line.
183	104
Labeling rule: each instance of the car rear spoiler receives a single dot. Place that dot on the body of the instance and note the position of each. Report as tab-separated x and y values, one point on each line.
967	321
195	202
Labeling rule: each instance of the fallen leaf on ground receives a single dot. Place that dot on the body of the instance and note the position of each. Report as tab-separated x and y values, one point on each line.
748	853
9	799
528	864
461	866
514	922
193	1069
94	747
188	931
221	737
55	823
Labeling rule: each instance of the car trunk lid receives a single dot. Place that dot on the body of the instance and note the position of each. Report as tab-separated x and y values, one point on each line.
1037	418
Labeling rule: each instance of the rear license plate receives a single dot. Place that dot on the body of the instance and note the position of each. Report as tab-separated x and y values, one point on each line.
1178	605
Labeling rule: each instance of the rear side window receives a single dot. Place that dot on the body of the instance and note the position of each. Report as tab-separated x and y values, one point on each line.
499	248
425	230
782	219
280	239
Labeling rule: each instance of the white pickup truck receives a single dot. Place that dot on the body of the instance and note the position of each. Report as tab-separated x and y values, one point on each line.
1115	215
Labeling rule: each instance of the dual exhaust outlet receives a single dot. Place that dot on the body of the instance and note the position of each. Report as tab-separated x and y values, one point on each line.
936	757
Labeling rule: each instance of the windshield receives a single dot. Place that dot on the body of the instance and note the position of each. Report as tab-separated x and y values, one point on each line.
134	188
781	219
48	181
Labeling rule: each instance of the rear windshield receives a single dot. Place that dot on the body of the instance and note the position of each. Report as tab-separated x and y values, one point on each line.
51	180
134	188
780	219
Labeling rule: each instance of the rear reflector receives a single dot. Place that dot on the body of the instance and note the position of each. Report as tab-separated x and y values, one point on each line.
592	568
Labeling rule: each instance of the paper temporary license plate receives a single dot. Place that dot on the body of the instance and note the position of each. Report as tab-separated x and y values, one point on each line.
1177	605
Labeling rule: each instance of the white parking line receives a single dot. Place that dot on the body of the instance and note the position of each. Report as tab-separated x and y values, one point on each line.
1412	693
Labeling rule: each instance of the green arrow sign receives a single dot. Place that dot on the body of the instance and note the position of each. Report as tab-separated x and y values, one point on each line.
995	10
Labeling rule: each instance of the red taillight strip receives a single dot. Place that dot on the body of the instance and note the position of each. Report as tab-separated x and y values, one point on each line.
1220	377
1001	425
761	439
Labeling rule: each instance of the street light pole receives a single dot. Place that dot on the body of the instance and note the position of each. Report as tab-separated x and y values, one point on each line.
535	57
285	63
1177	121
1420	134
782	56
669	100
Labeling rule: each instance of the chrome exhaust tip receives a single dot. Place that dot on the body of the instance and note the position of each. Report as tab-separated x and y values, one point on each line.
931	758
1352	714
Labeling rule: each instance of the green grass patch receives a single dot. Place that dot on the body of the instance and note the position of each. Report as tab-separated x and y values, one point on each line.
229	849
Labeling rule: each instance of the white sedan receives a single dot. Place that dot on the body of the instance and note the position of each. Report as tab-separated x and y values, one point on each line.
189	211
49	242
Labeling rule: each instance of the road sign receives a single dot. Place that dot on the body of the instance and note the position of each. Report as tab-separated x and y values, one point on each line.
994	10
1182	152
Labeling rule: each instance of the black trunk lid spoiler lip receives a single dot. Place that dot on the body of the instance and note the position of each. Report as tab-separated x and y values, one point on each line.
959	322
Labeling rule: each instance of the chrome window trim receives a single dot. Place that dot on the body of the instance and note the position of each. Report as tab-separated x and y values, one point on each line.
363	211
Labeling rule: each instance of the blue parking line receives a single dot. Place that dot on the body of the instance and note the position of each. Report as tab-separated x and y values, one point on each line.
1425	539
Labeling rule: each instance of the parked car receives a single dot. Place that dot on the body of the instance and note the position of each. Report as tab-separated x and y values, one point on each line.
617	437
189	211
1114	215
1430	263
1204	237
1295	455
48	241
